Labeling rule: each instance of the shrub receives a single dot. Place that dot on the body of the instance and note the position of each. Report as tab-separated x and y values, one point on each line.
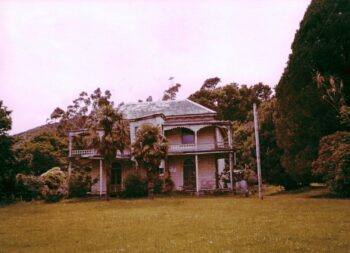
29	187
80	182
55	185
333	162
168	185
135	186
158	185
251	177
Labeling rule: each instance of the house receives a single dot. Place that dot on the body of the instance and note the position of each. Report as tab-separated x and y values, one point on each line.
199	146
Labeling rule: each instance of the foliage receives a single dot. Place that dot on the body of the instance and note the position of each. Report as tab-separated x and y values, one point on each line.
50	186
42	151
149	148
158	185
333	162
210	83
28	187
170	94
231	102
322	44
135	186
8	168
80	182
168	185
55	185
250	177
107	130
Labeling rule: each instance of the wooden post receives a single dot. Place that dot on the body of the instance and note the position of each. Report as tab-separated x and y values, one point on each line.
70	138
197	175
256	128
101	177
230	164
69	175
195	139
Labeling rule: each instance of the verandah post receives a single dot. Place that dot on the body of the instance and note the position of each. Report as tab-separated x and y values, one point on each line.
101	178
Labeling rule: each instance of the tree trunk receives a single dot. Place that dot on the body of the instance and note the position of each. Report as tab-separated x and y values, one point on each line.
150	184
108	179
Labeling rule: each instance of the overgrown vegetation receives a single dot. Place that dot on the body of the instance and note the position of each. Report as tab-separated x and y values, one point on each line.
51	186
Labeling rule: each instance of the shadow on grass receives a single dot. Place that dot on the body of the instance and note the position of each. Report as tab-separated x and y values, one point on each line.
316	191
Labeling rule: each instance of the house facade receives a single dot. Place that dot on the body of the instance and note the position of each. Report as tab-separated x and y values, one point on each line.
199	146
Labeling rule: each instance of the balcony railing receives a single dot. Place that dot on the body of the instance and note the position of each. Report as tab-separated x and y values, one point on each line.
173	148
94	152
84	152
180	148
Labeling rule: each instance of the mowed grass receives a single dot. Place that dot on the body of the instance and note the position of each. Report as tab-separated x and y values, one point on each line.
281	223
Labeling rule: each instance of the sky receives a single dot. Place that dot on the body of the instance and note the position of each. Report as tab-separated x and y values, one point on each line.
50	51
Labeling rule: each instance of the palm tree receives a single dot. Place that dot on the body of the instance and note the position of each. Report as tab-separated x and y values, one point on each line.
109	134
149	148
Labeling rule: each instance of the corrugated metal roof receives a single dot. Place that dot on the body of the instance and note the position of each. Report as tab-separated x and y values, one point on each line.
168	108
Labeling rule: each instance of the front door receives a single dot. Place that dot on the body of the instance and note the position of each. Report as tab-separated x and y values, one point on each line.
189	172
116	177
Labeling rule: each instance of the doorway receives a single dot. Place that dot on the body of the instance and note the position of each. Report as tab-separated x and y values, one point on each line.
189	173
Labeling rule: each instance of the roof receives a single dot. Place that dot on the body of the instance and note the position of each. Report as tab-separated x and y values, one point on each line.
167	108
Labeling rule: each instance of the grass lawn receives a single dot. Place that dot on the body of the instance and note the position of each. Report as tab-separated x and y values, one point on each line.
295	222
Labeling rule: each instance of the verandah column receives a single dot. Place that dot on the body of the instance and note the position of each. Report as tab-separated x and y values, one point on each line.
230	163
101	177
197	174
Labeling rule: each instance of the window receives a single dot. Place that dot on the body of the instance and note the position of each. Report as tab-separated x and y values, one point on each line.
187	136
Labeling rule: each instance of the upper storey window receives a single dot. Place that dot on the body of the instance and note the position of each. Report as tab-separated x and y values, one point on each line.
187	136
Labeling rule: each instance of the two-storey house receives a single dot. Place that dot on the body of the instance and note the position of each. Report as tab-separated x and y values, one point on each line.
199	145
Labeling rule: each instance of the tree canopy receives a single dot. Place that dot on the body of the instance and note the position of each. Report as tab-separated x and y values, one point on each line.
321	44
8	169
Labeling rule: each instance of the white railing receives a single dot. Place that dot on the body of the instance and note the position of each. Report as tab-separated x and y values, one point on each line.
84	152
94	152
199	147
173	148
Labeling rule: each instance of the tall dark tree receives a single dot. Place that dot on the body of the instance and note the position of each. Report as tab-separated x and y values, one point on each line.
7	159
321	44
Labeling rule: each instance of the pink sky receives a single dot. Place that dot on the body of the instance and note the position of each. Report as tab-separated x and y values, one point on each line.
52	50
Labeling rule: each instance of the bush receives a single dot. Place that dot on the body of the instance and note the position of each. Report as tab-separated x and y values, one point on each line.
168	185
29	187
55	185
158	186
333	162
80	182
135	186
50	186
251	177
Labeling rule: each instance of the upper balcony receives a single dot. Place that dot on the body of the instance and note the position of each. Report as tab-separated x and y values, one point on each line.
89	153
201	147
182	138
